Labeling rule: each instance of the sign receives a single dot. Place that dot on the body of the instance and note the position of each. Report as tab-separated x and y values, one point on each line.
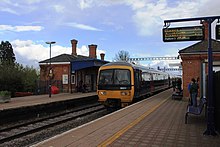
65	79
193	33
217	31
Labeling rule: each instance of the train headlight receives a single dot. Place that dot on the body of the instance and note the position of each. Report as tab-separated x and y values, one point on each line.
124	93
103	93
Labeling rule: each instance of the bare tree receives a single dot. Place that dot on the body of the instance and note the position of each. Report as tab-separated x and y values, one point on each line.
122	56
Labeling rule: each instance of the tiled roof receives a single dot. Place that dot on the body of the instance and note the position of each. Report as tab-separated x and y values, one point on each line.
201	47
65	58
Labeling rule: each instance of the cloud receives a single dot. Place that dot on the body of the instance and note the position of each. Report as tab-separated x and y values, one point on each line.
59	8
33	1
148	15
9	11
83	4
150	18
83	26
31	52
20	28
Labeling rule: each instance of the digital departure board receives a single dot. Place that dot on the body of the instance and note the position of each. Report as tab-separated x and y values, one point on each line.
193	33
217	31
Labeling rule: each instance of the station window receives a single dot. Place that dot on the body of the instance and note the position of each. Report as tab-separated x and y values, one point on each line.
73	79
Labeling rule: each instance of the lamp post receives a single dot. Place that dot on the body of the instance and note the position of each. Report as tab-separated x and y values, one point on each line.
50	71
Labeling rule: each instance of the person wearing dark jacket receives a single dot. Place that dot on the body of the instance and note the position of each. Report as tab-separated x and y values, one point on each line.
194	91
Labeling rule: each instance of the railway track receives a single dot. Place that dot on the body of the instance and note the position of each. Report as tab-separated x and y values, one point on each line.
20	130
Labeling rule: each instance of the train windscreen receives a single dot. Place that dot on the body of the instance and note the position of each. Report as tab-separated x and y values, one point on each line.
114	79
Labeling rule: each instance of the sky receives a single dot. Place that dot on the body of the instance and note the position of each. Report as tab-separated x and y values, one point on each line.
134	26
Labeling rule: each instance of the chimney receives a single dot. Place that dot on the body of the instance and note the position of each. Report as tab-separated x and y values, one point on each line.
74	44
206	30
102	55
92	50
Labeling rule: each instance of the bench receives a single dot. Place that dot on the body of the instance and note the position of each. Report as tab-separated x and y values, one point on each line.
195	110
177	95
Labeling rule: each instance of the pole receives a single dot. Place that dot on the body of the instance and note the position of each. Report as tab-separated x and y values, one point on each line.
210	108
50	74
50	71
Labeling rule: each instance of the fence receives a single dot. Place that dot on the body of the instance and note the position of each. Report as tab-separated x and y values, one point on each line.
43	86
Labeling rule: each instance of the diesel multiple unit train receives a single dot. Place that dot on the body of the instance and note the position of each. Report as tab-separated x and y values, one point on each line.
121	83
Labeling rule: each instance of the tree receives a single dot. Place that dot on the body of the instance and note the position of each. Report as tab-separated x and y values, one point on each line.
13	76
122	56
7	55
30	76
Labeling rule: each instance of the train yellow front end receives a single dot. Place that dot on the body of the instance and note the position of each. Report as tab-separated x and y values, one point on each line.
115	87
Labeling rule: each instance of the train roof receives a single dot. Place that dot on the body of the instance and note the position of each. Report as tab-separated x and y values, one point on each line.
143	68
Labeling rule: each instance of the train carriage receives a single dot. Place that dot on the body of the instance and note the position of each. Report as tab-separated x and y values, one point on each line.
121	83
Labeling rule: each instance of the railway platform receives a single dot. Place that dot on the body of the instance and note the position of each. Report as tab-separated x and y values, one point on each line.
33	100
154	122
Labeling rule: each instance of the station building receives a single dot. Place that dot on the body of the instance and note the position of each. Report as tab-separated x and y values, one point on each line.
67	71
195	62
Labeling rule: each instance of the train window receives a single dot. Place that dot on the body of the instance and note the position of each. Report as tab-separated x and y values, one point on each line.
122	76
160	77
106	77
146	76
155	77
115	76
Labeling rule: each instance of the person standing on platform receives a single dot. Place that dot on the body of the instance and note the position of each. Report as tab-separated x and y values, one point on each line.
194	91
190	97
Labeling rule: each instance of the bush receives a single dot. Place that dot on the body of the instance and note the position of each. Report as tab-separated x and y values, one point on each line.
5	93
5	96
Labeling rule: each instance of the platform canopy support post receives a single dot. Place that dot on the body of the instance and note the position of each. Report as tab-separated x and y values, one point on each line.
210	130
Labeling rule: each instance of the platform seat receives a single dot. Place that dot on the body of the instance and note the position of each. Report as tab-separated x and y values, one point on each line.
195	110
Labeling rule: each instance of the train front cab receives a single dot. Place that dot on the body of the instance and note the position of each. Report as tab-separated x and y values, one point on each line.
115	85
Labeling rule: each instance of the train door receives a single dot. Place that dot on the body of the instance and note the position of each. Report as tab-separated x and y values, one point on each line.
152	83
137	83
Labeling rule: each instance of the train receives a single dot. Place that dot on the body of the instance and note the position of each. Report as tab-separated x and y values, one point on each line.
121	83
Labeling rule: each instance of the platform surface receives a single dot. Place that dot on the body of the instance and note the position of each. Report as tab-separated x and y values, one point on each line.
156	121
42	99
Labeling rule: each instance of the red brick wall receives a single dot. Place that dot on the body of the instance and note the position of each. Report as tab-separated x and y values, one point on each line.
58	71
191	65
191	69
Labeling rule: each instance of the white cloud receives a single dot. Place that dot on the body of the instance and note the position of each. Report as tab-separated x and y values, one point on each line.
33	1
20	28
32	52
148	15
84	50
82	26
150	18
83	4
9	11
29	50
59	8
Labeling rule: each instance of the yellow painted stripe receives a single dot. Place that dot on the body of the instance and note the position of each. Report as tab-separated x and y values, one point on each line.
126	128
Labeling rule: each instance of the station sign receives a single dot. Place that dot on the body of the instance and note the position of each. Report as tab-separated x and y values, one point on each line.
192	33
217	31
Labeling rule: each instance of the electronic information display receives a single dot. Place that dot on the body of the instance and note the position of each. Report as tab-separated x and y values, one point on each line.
193	33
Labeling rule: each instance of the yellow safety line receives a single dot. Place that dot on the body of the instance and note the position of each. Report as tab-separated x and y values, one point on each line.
126	128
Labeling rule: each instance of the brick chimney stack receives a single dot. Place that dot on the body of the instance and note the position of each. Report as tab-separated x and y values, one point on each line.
92	50
102	55
74	45
206	30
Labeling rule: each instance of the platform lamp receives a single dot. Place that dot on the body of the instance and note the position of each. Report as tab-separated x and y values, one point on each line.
50	71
